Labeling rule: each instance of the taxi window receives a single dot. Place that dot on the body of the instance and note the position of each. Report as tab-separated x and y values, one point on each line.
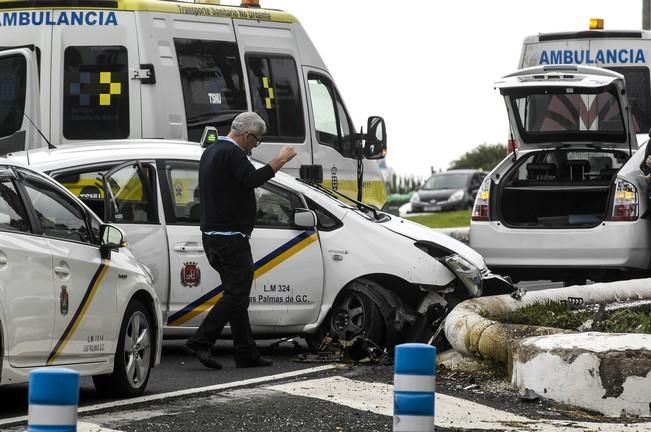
13	78
182	179
12	211
325	220
276	96
275	207
331	121
131	199
212	83
95	92
57	214
87	186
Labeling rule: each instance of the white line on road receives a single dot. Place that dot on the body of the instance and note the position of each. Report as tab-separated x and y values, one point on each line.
451	411
192	391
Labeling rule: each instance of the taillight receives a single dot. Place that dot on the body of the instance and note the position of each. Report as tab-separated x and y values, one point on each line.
480	210
626	203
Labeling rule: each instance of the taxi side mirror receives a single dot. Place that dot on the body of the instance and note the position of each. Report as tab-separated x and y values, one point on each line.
304	218
375	144
110	238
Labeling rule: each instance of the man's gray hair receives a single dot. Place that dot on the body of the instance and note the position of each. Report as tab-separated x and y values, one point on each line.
249	122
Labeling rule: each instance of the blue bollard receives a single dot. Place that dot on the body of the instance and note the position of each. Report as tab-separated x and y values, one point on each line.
414	388
53	400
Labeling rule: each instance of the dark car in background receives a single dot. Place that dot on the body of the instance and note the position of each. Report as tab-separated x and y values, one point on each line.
450	190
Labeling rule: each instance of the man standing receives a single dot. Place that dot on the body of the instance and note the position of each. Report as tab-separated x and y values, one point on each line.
227	180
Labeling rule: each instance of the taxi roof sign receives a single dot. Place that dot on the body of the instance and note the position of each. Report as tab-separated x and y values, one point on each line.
209	136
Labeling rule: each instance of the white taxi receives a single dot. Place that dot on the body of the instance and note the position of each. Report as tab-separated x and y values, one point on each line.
71	294
321	265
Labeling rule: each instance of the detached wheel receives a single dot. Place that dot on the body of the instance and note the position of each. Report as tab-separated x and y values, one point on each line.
133	356
356	314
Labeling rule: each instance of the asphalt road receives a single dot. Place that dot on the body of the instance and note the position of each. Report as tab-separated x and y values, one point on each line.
295	396
177	371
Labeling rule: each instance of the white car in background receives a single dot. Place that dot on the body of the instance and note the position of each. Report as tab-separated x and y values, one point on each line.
570	203
323	264
71	294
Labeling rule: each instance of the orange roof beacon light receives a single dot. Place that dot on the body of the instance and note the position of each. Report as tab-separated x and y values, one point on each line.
250	3
596	24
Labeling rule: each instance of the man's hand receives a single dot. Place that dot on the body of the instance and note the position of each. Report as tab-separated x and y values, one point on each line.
285	154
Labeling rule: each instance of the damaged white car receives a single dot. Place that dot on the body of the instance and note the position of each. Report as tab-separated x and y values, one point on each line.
324	264
569	203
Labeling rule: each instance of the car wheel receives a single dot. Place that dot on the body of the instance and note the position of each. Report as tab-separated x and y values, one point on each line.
133	357
356	314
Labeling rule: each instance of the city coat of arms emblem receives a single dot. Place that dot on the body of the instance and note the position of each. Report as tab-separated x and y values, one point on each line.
63	301
190	274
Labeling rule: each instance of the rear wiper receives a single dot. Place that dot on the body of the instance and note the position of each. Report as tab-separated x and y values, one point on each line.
334	193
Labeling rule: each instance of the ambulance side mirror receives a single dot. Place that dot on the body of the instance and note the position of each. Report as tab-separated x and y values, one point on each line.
375	144
110	238
304	218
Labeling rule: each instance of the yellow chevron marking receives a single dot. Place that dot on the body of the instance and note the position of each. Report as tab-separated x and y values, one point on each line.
284	256
80	317
205	307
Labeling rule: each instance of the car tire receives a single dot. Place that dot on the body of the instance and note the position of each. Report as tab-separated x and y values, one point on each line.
134	356
354	314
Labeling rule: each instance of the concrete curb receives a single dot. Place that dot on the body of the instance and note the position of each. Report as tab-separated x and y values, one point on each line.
537	357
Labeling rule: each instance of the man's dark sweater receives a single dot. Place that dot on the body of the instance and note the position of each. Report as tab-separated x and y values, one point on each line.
227	180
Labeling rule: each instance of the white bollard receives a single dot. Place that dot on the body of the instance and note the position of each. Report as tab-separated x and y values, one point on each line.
53	400
414	388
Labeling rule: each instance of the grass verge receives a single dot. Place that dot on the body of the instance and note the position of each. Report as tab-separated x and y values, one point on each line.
451	219
594	318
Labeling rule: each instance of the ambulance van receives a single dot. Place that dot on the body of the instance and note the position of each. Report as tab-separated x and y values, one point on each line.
627	52
89	70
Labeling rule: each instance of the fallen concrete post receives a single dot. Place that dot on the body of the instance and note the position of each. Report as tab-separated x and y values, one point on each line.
608	373
471	334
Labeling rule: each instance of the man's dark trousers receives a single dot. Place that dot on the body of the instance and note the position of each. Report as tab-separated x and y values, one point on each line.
231	256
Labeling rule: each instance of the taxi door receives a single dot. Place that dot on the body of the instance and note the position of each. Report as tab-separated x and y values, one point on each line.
85	290
26	285
194	285
288	281
131	202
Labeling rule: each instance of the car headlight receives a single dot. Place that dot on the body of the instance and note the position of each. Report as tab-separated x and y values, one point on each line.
457	196
466	271
414	197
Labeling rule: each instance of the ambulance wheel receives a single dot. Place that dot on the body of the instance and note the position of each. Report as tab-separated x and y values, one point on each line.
356	314
134	355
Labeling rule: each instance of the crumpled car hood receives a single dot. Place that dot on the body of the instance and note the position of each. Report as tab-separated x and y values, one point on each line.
417	232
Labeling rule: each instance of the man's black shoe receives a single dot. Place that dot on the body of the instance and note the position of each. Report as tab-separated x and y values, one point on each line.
204	356
259	362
